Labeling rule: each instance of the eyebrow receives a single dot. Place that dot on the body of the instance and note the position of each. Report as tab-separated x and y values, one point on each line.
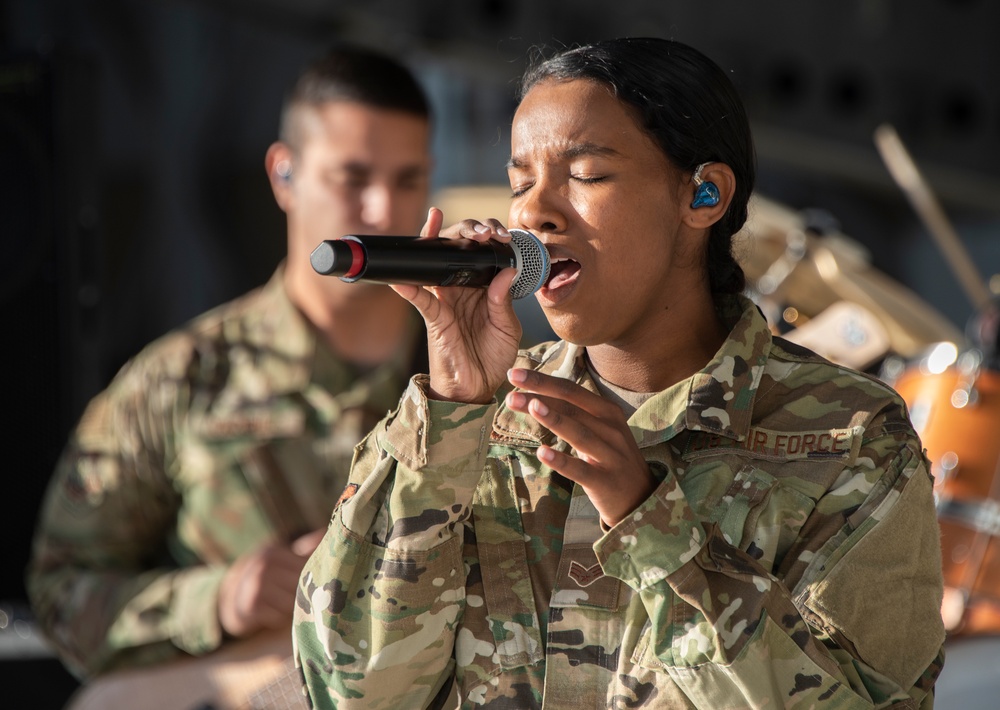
357	168
574	151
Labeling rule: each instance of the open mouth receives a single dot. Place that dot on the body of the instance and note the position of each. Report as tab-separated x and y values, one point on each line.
563	272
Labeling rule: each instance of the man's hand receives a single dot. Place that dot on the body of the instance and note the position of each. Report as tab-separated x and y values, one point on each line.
258	591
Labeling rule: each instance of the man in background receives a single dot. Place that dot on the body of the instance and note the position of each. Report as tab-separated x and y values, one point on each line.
196	485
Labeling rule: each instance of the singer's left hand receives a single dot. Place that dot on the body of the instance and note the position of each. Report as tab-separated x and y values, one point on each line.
605	461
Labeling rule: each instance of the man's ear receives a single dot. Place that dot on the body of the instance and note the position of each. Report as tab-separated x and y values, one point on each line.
278	163
700	209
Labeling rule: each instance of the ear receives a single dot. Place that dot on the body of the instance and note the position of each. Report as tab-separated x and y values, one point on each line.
278	163
720	175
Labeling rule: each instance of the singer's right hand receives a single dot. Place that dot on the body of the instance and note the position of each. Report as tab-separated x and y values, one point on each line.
472	333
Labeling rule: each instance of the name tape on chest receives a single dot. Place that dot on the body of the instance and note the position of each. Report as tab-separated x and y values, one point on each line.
818	444
257	423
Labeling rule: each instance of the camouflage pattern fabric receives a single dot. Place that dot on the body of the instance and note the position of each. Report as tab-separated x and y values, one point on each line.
232	432
789	557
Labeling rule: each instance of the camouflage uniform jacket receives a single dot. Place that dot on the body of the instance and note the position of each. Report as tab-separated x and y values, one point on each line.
788	558
234	431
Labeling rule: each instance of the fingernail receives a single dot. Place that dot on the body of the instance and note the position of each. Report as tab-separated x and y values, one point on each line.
503	232
516	375
515	400
540	409
481	228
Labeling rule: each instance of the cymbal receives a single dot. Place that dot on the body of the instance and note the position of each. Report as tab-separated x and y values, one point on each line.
788	264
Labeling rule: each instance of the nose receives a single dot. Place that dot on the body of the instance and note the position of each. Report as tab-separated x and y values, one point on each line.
376	206
540	209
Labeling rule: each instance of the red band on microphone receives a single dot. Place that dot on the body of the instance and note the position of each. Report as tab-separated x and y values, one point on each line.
357	258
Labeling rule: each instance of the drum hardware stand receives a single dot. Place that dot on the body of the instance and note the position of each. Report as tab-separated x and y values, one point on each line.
968	366
817	222
770	282
984	518
904	171
777	272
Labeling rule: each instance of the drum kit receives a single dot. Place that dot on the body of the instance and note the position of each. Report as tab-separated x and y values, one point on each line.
818	288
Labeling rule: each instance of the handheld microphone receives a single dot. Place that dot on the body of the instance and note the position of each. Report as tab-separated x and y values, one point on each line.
434	262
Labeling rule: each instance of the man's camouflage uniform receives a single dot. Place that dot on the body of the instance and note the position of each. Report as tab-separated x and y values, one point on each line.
788	558
230	433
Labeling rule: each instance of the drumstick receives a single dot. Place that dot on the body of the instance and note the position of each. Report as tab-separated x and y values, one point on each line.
904	171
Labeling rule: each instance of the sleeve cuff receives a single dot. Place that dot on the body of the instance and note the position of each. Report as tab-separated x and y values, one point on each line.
196	619
656	540
427	432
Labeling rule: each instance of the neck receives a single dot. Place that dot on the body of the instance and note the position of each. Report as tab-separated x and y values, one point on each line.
362	323
660	357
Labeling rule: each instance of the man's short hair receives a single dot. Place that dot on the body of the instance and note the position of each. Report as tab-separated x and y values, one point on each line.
355	74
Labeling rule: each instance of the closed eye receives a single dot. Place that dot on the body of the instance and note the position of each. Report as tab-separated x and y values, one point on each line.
519	190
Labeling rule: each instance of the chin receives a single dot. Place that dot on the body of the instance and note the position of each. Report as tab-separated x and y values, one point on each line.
572	328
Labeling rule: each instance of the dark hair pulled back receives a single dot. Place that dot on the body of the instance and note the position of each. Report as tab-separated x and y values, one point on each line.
689	107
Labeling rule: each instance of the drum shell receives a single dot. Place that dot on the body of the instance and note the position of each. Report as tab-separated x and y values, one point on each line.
963	446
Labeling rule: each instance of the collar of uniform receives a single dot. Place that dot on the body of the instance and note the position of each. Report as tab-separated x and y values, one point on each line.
302	357
718	399
268	349
722	394
273	351
284	334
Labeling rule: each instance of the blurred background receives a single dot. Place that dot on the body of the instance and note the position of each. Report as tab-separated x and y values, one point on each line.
133	194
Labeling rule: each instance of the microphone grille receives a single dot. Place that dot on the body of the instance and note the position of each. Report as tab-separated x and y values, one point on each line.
532	263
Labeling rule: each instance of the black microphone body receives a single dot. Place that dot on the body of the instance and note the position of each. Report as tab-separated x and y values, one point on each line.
434	262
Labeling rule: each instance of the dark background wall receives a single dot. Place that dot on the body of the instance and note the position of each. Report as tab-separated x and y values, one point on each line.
132	137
